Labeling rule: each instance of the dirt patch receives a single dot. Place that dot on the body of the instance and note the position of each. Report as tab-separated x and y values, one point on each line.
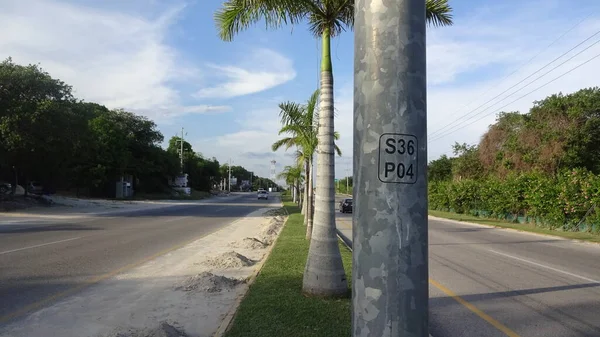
249	243
164	329
269	233
275	212
229	260
208	282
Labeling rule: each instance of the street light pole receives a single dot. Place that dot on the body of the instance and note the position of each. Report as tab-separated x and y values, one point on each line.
347	179
181	154
390	266
229	179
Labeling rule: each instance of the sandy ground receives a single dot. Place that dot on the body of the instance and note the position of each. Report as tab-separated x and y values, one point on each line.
187	292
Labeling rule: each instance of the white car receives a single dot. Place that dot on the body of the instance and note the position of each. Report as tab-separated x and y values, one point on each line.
263	195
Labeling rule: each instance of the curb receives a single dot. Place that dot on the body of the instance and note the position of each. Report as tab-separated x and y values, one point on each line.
595	244
230	316
344	239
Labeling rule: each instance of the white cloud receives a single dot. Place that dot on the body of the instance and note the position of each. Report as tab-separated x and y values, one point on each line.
261	70
465	65
467	62
111	57
251	146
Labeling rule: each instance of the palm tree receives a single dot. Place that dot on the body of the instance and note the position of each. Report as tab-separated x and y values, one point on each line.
299	123
324	273
293	177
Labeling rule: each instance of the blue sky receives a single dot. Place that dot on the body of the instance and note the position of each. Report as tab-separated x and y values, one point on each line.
163	59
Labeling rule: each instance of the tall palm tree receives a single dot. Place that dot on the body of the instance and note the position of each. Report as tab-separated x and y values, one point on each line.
299	124
293	177
324	273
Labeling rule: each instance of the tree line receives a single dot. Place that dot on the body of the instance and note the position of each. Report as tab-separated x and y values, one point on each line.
66	144
542	166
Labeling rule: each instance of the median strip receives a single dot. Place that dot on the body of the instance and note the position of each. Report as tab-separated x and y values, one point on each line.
274	304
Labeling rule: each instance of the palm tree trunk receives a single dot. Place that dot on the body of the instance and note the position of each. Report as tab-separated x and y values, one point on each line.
305	196
324	272
309	203
294	192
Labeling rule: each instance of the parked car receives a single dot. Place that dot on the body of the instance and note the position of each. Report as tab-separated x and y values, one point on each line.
346	206
263	195
5	188
35	187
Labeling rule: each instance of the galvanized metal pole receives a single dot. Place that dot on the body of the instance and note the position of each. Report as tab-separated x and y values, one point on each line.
390	269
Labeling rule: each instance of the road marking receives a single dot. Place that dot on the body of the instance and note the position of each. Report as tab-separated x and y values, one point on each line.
176	219
547	267
39	304
221	209
41	245
475	310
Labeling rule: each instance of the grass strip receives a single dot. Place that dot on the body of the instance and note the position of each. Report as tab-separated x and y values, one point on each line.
275	306
583	236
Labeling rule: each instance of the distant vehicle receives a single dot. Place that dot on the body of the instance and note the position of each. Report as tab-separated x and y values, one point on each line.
5	187
261	190
346	206
263	195
35	187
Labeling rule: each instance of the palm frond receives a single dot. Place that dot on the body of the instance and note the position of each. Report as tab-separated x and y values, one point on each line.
291	112
238	15
287	142
438	13
337	150
333	16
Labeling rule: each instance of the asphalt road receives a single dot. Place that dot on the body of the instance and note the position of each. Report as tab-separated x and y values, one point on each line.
494	282
46	260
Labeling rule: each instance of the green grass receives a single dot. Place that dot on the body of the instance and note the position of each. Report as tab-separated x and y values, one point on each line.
275	306
522	227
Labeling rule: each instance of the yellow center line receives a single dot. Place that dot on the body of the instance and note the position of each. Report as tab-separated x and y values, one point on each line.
475	310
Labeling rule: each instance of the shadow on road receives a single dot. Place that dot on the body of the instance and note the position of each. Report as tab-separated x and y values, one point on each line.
5	229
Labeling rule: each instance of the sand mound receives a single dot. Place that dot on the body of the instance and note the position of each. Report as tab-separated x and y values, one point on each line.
271	230
249	243
208	282
230	260
164	329
275	212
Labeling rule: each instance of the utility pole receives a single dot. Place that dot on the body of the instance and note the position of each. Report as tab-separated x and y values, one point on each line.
390	198
181	151
229	180
347	179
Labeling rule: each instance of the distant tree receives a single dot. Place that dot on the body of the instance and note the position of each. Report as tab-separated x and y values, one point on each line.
466	165
560	131
440	169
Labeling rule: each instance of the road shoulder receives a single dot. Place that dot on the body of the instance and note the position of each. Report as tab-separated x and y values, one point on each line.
189	289
516	230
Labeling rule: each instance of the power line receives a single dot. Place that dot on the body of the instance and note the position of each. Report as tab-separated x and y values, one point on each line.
522	65
433	134
529	93
523	87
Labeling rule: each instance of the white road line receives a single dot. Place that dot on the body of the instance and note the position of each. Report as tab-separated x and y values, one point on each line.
176	219
221	209
41	245
547	267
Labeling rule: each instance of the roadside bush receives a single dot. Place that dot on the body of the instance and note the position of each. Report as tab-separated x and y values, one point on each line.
559	202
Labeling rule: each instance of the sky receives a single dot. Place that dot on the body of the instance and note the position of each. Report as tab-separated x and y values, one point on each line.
163	59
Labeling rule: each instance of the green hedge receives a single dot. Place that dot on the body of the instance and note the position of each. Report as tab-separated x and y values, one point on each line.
559	202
